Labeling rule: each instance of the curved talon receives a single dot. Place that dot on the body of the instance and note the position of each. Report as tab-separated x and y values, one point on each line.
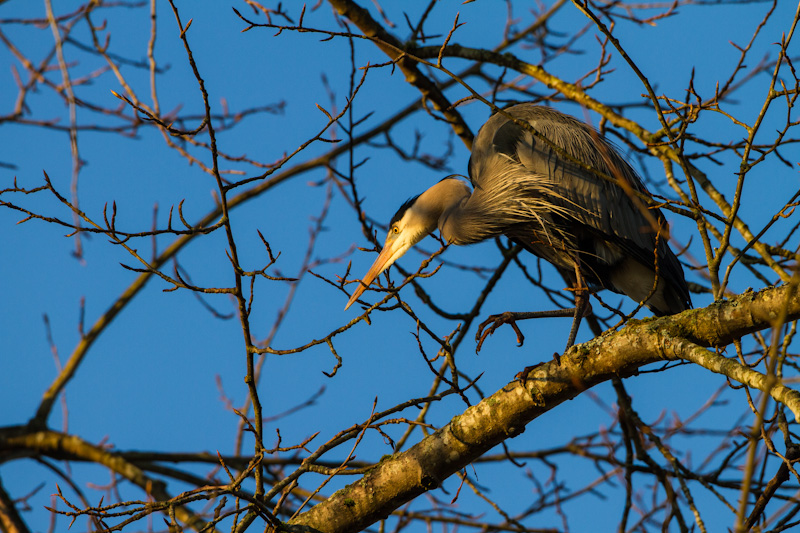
496	321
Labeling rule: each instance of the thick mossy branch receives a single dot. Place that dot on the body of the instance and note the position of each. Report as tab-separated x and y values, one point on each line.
400	478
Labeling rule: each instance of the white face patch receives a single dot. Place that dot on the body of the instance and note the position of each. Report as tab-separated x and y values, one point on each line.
404	234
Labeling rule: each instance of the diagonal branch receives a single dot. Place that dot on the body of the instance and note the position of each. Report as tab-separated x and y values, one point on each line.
21	441
399	479
731	368
392	47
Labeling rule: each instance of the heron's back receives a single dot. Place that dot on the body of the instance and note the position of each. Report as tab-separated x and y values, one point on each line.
566	195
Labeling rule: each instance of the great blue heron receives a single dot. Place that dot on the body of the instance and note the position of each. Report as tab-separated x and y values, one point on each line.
562	192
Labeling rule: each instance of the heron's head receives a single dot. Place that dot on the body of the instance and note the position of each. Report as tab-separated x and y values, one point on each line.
415	219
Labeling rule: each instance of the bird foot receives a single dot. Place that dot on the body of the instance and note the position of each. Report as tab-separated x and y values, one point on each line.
494	322
523	374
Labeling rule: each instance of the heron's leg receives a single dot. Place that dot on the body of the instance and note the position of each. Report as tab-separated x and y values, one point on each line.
581	309
582	306
509	317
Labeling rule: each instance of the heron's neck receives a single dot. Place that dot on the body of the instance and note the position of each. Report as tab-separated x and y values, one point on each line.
446	201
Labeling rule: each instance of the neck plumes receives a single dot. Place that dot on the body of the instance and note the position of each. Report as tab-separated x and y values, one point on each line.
461	219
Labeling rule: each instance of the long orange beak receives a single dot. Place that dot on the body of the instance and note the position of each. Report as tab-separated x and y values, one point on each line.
383	262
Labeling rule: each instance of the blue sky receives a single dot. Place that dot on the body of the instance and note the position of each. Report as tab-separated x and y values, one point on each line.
151	380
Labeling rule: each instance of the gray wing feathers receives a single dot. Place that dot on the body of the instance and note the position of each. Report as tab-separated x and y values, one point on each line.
596	205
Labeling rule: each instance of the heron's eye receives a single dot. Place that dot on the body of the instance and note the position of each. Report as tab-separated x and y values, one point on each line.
395	230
